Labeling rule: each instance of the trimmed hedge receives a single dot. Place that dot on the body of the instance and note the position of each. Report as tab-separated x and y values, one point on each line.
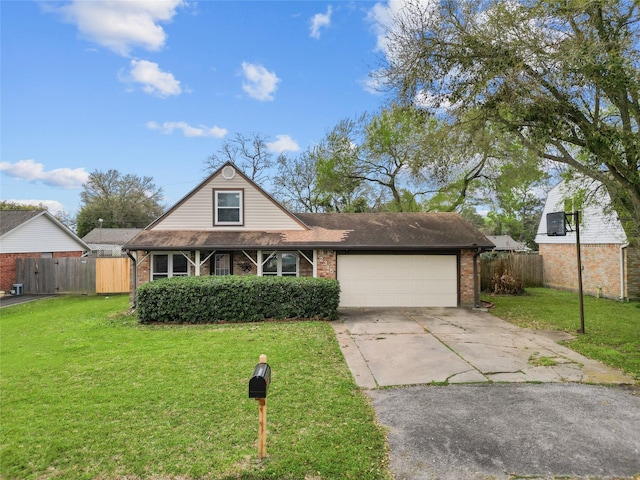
237	299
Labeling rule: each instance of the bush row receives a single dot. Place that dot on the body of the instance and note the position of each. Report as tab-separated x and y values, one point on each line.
237	299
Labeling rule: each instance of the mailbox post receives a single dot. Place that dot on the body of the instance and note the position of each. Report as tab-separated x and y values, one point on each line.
258	386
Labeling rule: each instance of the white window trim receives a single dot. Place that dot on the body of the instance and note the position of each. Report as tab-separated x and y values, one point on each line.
214	260
170	273
278	255
240	192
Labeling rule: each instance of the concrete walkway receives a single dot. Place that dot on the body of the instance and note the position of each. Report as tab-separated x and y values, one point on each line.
412	346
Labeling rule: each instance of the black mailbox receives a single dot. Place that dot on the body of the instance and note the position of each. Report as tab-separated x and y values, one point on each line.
259	383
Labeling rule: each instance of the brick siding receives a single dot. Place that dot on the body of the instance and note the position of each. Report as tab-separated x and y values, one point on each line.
600	269
467	296
327	264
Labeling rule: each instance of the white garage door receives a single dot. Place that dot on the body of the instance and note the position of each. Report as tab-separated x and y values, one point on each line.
398	280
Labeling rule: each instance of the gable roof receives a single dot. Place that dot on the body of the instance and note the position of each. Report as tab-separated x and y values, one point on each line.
10	219
111	236
596	225
340	231
195	210
20	231
505	242
188	225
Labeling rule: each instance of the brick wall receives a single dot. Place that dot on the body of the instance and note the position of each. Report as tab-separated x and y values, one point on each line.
327	264
8	266
600	268
466	278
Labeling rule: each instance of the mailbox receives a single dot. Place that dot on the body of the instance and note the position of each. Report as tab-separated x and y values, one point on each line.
259	383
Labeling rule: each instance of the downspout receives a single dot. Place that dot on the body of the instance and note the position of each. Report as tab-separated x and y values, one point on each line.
622	283
135	276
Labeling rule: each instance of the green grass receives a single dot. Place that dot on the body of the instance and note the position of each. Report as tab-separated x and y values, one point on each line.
612	328
87	392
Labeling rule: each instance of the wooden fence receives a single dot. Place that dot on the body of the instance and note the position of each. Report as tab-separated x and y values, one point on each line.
526	267
87	275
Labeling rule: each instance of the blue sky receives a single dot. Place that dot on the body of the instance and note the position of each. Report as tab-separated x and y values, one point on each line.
154	88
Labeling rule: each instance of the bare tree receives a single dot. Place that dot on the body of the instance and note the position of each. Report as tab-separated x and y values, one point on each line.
249	152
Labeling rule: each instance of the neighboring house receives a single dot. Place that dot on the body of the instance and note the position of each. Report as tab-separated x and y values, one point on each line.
108	242
504	243
33	234
228	225
611	268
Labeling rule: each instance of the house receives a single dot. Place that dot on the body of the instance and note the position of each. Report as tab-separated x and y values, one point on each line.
610	266
33	234
228	225
108	242
504	243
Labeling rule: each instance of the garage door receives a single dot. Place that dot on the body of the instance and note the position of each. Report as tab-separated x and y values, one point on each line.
398	280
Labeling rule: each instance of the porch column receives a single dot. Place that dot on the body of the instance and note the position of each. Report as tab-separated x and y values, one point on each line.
197	266
315	264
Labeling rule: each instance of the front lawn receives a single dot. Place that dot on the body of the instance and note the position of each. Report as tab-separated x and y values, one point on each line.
612	328
87	392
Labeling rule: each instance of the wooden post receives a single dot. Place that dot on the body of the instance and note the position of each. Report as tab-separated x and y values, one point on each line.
262	431
262	420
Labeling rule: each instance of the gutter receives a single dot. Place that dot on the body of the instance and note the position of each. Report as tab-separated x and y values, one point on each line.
622	285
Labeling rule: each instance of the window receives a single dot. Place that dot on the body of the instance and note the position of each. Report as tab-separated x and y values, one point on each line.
166	265
228	207
222	264
280	264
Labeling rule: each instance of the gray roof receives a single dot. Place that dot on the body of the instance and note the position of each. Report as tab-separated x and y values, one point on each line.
338	231
505	242
10	219
111	236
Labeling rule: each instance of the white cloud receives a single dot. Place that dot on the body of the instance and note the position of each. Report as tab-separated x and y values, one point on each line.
200	131
382	17
260	83
320	20
283	143
153	80
121	25
30	171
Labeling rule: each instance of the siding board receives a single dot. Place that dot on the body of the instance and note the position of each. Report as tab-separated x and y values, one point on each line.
195	212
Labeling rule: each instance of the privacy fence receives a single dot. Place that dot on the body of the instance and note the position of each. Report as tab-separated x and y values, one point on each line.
87	275
524	266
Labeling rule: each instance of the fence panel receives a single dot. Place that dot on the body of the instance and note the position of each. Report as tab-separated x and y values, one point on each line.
527	267
112	275
56	275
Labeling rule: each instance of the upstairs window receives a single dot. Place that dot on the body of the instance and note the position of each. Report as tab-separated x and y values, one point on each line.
228	207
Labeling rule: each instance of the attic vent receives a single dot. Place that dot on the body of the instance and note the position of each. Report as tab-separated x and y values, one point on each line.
228	172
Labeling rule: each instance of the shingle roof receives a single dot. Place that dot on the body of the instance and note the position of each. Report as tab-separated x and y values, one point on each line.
505	242
112	236
10	219
340	231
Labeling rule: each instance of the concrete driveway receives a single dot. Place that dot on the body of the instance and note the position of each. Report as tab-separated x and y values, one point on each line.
487	423
409	346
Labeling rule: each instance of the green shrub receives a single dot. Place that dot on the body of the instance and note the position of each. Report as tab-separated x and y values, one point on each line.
237	299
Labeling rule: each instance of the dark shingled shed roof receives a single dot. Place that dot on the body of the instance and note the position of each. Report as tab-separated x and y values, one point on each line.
338	231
